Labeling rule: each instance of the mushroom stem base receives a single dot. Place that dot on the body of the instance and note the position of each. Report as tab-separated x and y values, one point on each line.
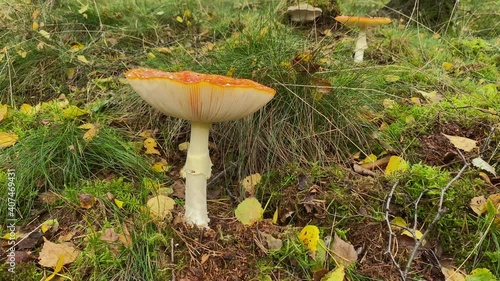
196	200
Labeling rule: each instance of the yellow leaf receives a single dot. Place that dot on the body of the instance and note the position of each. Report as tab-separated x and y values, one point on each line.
146	134
76	46
418	234
73	112
35	14
436	36
70	72
91	131
7	139
336	275
249	211
83	9
119	203
44	34
462	143
184	146
391	78
396	164
250	182
4	110
82	59
397	222
151	56
161	166
179	19
59	266
309	235
415	100
35	26
369	159
27	109
160	206
275	216
50	225
230	72
388	103
149	145
447	65
50	253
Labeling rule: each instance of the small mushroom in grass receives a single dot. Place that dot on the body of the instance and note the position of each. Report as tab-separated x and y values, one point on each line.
202	99
363	23
303	13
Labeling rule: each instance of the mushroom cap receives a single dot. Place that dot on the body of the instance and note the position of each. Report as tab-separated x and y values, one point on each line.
362	21
199	97
303	12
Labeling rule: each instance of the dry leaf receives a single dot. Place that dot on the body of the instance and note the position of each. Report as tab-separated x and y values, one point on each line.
398	223
125	237
184	146
478	205
161	166
462	143
250	182
149	145
52	225
59	265
109	235
44	34
452	275
478	162
249	211
272	243
91	131
87	201
343	252
335	275
82	59
49	255
73	112
4	109
7	139
362	170
160	206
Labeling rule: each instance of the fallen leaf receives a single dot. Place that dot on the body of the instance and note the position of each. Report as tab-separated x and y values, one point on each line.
87	201
118	203
362	170
480	274
160	206
391	78
204	258
249	211
44	34
52	225
431	97
91	131
478	205
250	182
125	237
398	223
184	146
275	216
447	66
452	275
146	134
149	145
49	255
27	109
396	164
369	159
7	139
418	235
161	166
73	112
388	103
4	110
462	143
309	235
82	59
335	275
485	177
58	267
272	243
70	73
478	162
379	163
343	252
109	235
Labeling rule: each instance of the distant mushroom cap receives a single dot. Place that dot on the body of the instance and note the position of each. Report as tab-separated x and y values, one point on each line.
362	21
303	13
199	97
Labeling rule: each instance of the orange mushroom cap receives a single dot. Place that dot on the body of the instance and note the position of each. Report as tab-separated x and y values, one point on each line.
362	21
199	97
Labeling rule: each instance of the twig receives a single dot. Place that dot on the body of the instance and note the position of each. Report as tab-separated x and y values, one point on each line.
391	233
439	214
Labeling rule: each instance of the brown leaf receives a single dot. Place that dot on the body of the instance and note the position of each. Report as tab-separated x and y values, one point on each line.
478	205
30	242
361	170
48	197
462	143
343	251
109	235
125	238
51	252
87	201
380	163
179	189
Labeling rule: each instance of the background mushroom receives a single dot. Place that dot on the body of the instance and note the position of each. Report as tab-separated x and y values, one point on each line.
363	23
201	99
303	13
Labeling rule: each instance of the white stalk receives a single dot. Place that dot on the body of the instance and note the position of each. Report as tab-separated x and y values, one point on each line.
197	170
361	45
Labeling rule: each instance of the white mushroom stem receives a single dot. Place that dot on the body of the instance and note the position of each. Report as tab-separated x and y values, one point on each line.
361	45
197	170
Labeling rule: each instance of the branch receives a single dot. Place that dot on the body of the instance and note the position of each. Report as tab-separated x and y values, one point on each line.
391	233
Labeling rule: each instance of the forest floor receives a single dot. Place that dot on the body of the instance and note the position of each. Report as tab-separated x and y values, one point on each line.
385	169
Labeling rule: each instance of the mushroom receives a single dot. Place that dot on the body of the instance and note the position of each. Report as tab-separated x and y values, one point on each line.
363	23
201	99
303	13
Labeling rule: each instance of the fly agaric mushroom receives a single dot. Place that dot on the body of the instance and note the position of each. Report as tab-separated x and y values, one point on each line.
303	13
363	23
201	99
